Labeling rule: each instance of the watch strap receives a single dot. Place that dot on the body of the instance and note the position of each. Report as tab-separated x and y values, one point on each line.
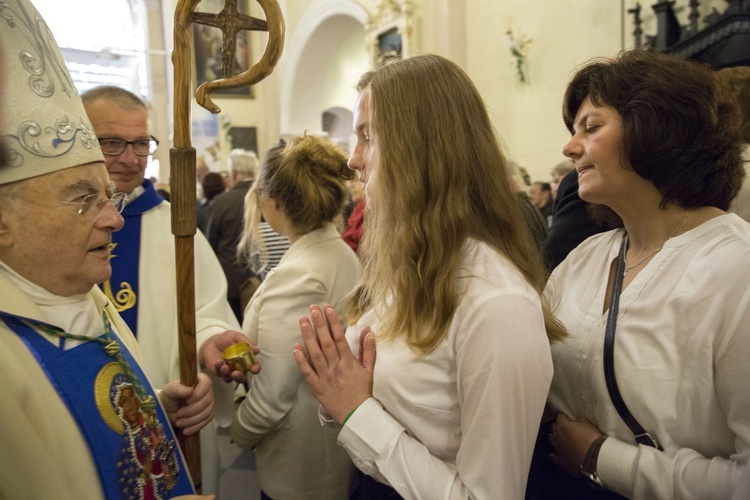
588	467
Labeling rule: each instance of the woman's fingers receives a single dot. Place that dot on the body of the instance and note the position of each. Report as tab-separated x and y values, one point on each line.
367	350
304	365
336	330
361	351
315	357
324	336
327	349
330	368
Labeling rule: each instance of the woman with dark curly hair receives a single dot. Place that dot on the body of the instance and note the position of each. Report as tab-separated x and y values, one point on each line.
657	311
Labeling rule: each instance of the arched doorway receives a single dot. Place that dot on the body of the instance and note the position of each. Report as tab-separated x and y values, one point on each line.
325	58
337	122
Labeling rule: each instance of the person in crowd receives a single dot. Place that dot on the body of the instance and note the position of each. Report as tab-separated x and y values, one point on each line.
356	194
301	190
536	224
450	292
540	194
225	224
557	173
274	247
355	221
657	310
525	176
80	417
201	169
573	220
260	245
143	282
212	185
734	83
163	190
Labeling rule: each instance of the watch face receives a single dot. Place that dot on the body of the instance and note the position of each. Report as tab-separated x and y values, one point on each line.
592	479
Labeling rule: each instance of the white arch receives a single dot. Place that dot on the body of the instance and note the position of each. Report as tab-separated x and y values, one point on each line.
313	17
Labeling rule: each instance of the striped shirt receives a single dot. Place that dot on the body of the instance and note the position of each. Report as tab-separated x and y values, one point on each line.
276	246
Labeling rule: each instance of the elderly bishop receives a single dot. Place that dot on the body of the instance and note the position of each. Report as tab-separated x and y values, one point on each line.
80	418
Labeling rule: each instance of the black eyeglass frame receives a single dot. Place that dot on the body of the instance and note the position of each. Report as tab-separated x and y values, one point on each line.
153	144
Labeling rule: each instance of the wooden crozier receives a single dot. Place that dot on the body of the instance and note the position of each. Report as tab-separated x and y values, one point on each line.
182	155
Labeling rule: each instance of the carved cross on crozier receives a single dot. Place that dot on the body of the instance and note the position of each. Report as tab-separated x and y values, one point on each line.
230	22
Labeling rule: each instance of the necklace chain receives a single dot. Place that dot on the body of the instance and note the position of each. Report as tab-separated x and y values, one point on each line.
674	231
625	272
111	348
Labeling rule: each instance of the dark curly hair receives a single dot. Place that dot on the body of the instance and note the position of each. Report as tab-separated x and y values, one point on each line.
677	131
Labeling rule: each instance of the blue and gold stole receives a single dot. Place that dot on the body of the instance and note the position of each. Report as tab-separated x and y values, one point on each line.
122	287
115	407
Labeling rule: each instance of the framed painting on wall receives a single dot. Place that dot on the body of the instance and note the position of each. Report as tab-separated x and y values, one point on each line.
390	45
207	42
389	32
244	138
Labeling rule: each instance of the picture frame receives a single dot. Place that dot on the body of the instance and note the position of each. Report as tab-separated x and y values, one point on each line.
390	44
207	42
389	31
244	138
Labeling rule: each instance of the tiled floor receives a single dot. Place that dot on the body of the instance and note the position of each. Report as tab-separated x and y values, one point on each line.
238	480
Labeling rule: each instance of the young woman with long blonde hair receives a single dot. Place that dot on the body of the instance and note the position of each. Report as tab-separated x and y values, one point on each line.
450	293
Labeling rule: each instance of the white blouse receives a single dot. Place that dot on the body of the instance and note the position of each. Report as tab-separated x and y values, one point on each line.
682	359
461	421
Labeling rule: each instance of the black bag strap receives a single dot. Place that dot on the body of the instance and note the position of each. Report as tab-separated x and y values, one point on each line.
641	435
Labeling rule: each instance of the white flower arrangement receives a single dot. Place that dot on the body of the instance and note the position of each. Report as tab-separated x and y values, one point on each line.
519	49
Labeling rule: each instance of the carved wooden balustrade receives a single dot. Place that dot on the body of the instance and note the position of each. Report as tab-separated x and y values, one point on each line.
722	39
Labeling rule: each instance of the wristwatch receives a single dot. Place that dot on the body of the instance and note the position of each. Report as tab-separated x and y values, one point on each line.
588	467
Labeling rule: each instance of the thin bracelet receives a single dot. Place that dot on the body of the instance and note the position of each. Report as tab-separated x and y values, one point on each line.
347	417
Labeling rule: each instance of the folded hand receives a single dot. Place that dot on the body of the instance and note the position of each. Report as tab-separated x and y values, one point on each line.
339	380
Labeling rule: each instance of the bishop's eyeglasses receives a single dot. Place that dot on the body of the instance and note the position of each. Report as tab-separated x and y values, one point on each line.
112	146
89	205
86	203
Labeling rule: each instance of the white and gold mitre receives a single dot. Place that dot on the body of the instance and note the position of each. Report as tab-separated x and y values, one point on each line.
44	126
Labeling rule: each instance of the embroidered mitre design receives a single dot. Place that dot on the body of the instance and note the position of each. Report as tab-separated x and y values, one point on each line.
46	129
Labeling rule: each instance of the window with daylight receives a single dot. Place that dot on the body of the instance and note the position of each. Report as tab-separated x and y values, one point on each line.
103	43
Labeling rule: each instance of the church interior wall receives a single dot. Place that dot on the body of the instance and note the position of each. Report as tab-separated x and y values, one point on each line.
325	52
349	62
527	115
326	72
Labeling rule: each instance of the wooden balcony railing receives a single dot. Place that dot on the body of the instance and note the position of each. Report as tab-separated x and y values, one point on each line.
721	39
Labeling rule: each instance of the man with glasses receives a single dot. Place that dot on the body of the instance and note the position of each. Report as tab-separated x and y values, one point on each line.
66	356
143	282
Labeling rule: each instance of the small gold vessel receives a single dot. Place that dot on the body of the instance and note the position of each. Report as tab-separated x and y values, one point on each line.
239	356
